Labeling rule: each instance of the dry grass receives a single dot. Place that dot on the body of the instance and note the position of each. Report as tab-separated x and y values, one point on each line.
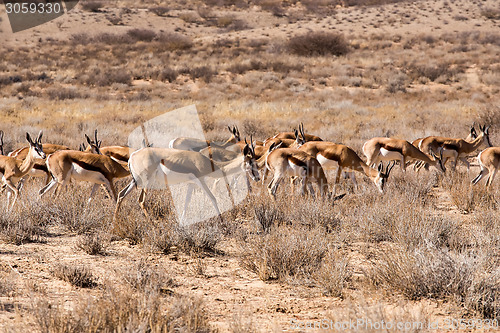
78	276
261	65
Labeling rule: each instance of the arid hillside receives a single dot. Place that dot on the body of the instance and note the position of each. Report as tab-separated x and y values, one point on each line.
427	250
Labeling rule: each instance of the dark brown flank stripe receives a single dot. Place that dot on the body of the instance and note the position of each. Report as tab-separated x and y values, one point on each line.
42	167
390	148
87	166
118	157
450	146
296	161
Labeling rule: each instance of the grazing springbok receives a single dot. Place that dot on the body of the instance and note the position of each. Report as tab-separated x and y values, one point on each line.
331	155
292	136
455	148
66	165
13	169
292	162
193	144
489	161
389	149
174	166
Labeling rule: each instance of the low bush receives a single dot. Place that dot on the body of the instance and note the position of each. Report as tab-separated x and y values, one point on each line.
318	44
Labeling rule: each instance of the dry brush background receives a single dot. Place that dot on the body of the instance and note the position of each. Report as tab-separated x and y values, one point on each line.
426	249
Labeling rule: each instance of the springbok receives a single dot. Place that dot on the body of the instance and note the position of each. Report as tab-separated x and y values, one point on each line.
292	135
181	166
65	165
193	144
118	153
470	137
455	148
13	169
489	161
390	149
331	155
39	168
292	162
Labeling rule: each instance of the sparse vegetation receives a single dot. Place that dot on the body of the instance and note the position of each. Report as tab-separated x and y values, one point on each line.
350	71
318	44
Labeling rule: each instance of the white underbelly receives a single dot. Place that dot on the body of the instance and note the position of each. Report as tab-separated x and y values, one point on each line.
80	174
389	155
326	163
295	170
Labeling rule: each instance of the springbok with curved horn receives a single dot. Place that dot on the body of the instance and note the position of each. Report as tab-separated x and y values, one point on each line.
292	135
455	148
13	169
489	161
181	166
193	144
331	155
390	149
470	137
65	165
118	153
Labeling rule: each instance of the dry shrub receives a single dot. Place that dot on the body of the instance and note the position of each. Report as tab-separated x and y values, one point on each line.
123	311
201	72
174	41
275	7
425	272
433	70
318	44
93	243
200	237
96	76
144	35
26	223
484	295
491	13
62	93
285	252
334	274
76	214
144	277
460	190
92	6
267	215
79	276
160	10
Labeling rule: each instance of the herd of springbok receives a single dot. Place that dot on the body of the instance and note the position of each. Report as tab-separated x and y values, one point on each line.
287	155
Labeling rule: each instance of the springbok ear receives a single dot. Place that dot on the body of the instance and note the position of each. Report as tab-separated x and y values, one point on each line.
88	139
246	150
486	129
39	139
380	167
229	128
271	147
99	143
1	135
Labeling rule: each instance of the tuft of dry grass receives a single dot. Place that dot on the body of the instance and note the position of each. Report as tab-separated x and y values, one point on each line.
78	276
93	243
122	310
283	253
